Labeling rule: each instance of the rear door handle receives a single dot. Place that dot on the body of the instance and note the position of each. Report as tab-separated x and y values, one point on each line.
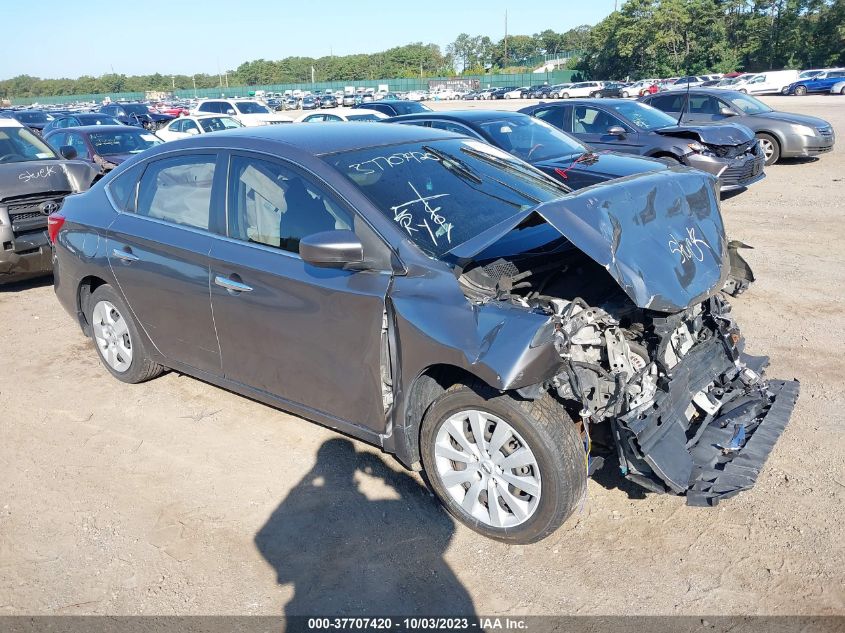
231	284
125	255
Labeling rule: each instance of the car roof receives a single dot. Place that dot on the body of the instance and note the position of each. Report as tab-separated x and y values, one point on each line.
9	121
322	139
461	115
715	92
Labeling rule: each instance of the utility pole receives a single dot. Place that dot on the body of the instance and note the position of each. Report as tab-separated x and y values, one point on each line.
173	81
506	38
194	79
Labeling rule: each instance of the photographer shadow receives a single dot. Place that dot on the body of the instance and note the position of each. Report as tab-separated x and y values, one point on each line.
347	555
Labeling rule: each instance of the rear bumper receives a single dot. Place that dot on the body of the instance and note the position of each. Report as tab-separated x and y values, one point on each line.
25	257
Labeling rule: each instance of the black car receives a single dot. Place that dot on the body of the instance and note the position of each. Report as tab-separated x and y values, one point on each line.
499	93
106	146
394	108
540	92
35	120
137	114
729	151
328	101
611	89
411	288
79	119
545	147
781	134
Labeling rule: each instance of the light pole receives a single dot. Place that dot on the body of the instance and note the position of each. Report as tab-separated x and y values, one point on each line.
194	79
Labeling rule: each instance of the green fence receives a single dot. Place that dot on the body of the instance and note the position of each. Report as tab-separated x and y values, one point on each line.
403	84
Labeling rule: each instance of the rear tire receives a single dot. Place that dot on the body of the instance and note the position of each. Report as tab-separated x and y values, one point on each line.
625	95
770	147
117	340
538	437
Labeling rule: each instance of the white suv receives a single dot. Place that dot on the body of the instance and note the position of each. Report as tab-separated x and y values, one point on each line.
583	89
250	112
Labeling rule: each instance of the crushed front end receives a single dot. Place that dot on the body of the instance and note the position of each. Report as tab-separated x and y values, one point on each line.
650	362
688	411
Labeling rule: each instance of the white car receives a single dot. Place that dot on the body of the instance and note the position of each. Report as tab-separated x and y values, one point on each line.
634	89
250	112
838	88
516	93
186	126
582	89
355	114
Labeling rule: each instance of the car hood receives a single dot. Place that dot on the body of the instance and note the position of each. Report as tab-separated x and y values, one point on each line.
37	176
659	235
789	117
602	164
721	134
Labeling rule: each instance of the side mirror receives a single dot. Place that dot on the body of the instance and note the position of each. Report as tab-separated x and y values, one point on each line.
616	130
68	151
726	112
230	111
331	249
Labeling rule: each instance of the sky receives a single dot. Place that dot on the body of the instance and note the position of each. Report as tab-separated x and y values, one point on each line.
203	36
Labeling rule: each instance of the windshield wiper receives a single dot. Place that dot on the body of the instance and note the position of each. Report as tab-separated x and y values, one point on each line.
501	162
454	164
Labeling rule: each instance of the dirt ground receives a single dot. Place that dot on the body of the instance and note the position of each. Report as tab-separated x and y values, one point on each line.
175	497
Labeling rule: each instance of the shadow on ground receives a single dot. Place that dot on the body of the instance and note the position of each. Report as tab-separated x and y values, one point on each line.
28	284
347	555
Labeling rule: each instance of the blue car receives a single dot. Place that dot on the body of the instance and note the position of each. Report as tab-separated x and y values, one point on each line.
822	82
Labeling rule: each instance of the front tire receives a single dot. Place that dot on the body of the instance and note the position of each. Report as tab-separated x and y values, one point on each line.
770	147
117	340
512	470
565	95
800	91
625	95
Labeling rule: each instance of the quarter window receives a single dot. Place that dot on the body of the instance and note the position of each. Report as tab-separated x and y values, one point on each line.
178	190
273	205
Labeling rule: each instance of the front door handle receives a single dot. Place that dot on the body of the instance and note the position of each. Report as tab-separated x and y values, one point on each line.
231	284
125	255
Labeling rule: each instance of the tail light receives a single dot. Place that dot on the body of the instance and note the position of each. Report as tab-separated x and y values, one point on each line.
54	223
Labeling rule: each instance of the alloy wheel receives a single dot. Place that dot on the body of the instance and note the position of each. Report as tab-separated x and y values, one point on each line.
487	468
768	148
111	334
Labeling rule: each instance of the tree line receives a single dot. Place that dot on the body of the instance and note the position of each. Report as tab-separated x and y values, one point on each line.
644	38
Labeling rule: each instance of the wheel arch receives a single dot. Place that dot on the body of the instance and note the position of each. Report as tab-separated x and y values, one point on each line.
87	286
424	389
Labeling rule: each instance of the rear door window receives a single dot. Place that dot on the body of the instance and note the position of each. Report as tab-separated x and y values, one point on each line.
178	190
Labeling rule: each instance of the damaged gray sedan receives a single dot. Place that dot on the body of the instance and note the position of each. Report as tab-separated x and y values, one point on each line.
439	298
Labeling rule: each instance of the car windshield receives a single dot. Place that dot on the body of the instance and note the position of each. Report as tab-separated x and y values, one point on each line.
749	104
19	145
251	107
531	139
32	118
642	116
123	142
135	108
409	107
444	193
218	123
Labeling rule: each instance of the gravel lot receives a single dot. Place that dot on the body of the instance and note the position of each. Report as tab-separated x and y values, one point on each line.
175	497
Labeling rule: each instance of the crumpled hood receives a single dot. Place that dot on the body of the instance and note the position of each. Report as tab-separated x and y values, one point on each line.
789	117
721	134
37	176
659	235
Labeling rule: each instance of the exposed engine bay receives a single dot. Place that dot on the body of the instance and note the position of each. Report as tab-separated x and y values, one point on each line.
671	395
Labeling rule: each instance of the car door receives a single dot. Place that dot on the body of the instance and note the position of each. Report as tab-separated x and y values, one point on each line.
308	335
158	249
590	125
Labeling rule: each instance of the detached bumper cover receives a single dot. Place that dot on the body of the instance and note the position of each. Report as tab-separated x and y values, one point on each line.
718	476
29	256
706	460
